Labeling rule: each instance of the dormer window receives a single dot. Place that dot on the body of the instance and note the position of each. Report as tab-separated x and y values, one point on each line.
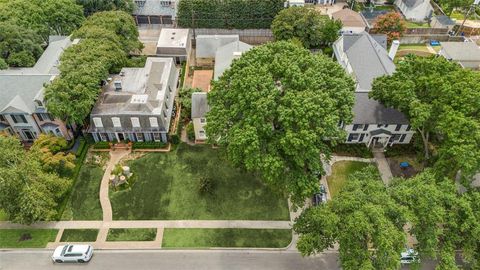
38	103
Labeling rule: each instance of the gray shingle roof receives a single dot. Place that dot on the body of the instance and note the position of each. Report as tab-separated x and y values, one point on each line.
368	58
199	105
412	3
143	89
370	111
19	91
459	51
207	45
445	20
226	54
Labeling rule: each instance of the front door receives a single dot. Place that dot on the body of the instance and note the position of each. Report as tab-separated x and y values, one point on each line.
120	137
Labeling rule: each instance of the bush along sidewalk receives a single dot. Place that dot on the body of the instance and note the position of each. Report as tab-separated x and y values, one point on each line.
148	145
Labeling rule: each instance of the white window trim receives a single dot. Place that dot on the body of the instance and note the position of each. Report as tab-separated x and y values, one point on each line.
97	121
135	122
153	122
116	122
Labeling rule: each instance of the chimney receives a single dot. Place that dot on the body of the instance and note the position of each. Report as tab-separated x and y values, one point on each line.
393	49
118	85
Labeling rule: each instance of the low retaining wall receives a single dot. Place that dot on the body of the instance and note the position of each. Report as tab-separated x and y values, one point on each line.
418	39
250	36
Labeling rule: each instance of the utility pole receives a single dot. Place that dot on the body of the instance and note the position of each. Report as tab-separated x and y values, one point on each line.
472	7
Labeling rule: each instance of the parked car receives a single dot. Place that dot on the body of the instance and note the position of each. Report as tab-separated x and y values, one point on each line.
409	256
320	197
72	253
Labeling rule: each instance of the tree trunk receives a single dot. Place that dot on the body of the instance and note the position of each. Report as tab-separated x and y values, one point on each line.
425	137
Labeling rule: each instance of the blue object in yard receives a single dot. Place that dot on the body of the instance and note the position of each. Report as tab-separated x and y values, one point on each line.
404	164
434	43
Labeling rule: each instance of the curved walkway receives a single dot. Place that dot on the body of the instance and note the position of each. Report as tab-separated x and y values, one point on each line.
115	157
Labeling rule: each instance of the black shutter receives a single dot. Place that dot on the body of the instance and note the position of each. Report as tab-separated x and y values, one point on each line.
402	138
23	118
398	127
365	127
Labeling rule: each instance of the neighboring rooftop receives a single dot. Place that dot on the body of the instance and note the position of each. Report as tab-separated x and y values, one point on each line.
371	15
173	37
367	57
155	7
226	54
19	91
49	61
412	3
199	105
207	45
445	20
349	18
370	111
137	90
461	51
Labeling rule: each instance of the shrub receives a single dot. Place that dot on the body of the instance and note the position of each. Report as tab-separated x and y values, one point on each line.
355	150
21	59
148	145
175	139
190	132
101	145
3	64
206	185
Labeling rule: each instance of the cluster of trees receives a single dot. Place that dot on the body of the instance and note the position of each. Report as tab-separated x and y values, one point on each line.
392	24
92	6
26	24
442	102
306	25
30	181
449	5
238	14
371	222
273	109
107	38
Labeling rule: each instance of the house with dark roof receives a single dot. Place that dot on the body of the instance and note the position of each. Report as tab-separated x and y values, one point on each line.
137	104
365	57
200	109
415	10
23	111
467	54
163	12
442	21
370	16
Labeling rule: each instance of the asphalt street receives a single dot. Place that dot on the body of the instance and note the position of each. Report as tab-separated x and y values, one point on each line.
173	260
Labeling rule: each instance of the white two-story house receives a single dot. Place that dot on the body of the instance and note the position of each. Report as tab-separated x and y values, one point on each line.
137	104
365	57
23	111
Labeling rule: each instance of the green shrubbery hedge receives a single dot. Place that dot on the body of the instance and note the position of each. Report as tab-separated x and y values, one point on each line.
238	14
148	145
101	145
353	150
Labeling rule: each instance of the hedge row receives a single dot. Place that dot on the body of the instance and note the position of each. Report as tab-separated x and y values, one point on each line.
238	14
148	145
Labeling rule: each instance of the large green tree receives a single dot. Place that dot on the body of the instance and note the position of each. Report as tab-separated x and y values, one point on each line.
442	102
92	6
363	219
274	111
45	17
307	25
15	40
29	194
50	151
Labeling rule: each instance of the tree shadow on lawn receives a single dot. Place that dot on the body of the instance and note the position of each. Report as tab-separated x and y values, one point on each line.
168	188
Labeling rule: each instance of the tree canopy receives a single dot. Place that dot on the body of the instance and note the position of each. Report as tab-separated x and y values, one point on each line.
28	194
365	221
392	24
273	111
307	25
442	102
239	14
49	149
25	26
107	39
371	222
92	6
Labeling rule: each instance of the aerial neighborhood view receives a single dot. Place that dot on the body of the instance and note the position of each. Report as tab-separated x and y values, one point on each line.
240	134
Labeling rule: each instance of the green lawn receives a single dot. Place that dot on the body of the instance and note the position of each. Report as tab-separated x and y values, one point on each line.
167	187
26	238
84	203
340	173
204	238
417	25
131	234
79	235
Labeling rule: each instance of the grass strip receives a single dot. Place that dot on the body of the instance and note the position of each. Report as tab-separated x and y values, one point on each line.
26	238
79	235
132	234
